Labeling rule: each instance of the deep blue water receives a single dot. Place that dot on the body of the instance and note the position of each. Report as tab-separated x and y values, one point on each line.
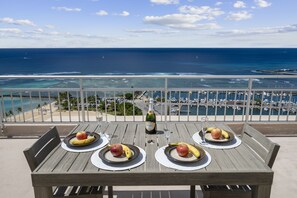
175	61
82	61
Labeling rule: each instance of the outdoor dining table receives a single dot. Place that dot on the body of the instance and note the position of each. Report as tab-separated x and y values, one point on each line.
234	166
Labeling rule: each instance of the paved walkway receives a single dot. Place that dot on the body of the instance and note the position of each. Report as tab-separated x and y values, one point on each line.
14	172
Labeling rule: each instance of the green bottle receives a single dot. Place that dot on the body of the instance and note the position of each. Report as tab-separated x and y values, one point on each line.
150	119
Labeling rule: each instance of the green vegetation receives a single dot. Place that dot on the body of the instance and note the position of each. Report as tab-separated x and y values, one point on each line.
258	101
9	114
159	99
19	110
120	109
129	96
90	104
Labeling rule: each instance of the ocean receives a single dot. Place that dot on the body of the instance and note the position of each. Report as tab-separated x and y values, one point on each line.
176	61
144	61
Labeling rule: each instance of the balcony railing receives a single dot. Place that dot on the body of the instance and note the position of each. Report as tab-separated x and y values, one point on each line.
71	99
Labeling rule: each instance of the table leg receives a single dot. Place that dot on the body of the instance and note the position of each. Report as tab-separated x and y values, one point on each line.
192	191
110	192
43	192
261	191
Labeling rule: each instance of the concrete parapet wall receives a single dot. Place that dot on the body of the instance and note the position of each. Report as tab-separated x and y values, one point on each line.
34	130
269	129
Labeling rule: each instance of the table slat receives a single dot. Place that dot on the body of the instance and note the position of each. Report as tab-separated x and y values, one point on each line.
130	134
150	149
174	136
119	133
140	141
80	162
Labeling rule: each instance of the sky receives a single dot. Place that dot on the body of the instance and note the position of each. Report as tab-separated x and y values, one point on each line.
147	23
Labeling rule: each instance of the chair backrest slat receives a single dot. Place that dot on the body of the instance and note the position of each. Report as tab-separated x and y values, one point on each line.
260	144
272	154
42	147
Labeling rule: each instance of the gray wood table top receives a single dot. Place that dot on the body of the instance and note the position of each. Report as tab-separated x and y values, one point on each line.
229	166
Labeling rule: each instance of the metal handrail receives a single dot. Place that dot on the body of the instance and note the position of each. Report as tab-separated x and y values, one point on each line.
148	76
166	92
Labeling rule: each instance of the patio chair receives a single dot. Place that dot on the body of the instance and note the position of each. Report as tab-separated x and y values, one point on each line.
36	154
263	147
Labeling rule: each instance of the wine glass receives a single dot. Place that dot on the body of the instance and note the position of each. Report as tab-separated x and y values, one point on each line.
99	120
167	133
104	132
204	125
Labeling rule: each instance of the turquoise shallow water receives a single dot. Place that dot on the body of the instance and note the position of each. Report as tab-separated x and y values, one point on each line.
25	104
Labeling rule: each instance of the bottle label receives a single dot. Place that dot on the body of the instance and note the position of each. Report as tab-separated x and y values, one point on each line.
150	125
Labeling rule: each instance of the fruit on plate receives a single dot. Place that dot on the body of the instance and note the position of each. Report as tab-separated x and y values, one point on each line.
81	135
182	150
192	149
216	133
225	134
82	142
116	150
127	151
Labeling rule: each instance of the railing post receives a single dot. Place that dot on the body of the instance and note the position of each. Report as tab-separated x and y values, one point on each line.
247	110
82	103
1	119
166	102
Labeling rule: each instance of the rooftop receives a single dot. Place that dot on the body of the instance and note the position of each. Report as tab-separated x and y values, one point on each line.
270	109
15	172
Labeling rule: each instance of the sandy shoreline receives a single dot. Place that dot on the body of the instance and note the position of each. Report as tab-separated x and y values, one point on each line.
92	116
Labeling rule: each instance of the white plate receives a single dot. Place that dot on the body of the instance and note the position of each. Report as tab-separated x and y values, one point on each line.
92	147
163	159
97	161
219	145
